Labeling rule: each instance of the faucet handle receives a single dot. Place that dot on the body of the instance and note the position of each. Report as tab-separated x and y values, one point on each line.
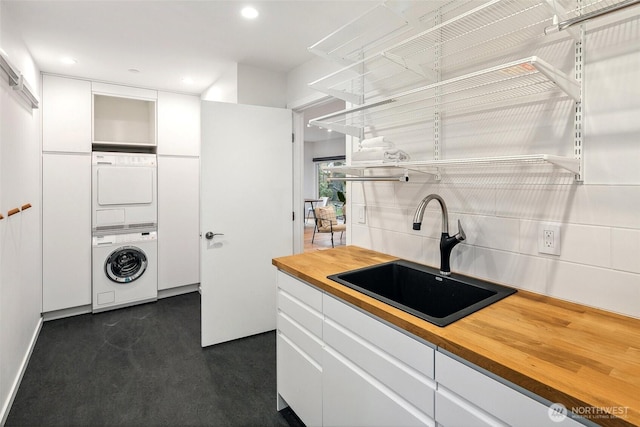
460	236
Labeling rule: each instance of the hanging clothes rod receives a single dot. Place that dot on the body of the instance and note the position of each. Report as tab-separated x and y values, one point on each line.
16	80
400	178
597	13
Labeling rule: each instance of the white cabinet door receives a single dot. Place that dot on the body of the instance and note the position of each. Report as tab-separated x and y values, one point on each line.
66	231
66	115
178	124
178	221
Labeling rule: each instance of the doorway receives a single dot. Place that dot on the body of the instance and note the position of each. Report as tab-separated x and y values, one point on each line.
320	148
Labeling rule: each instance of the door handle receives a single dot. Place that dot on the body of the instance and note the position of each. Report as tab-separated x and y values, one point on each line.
210	235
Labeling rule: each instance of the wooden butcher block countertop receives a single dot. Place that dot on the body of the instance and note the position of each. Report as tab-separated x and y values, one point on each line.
567	353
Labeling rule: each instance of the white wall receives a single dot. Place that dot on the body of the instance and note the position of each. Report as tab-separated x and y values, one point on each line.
298	93
225	89
258	86
600	238
244	84
20	253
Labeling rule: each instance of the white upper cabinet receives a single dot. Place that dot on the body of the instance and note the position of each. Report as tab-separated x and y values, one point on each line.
66	116
178	124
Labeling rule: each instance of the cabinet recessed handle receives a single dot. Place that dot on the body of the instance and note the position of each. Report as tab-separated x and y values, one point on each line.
25	207
13	211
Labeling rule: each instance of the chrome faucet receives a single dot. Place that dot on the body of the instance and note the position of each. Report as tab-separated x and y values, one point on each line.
446	242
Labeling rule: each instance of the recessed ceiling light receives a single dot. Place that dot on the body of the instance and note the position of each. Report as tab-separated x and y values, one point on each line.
67	60
187	80
250	12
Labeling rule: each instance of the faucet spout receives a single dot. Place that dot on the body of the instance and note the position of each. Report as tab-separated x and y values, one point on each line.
417	217
447	242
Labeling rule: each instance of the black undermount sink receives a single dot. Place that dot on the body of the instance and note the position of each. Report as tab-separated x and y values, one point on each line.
423	291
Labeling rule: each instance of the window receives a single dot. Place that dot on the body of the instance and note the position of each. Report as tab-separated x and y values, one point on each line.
335	190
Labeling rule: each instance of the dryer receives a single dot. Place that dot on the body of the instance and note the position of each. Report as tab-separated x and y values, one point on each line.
125	270
124	191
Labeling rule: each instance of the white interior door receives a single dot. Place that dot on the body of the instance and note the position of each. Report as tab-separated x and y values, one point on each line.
246	207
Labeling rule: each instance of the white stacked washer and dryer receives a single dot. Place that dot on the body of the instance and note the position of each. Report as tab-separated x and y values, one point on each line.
124	227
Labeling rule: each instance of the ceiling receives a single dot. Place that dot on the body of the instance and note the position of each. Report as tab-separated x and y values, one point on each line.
167	41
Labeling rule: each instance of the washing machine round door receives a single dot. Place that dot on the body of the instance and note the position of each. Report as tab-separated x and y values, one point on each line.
126	264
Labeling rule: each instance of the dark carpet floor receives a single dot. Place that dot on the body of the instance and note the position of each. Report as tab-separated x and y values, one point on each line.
143	366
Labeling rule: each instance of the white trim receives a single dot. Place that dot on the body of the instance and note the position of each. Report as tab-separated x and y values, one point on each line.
23	368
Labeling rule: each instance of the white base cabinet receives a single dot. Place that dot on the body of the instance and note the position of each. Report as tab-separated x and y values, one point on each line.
299	348
338	366
66	231
373	375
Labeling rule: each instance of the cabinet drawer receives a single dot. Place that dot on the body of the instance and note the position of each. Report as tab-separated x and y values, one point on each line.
302	338
301	291
301	313
499	400
450	412
410	351
299	382
382	367
351	397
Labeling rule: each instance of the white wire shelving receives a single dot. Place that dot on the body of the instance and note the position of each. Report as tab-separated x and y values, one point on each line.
467	30
402	66
525	77
434	167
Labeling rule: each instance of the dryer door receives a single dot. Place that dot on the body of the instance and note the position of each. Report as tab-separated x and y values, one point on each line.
126	264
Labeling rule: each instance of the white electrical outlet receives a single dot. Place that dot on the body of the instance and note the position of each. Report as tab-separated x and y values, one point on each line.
549	238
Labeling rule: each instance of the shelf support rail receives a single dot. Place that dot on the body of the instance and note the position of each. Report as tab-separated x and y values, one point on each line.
16	80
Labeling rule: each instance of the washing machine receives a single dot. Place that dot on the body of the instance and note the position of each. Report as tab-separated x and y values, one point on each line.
125	269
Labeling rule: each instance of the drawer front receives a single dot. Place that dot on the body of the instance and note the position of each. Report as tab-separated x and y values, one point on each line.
351	397
499	400
299	382
382	367
301	291
411	352
306	342
301	313
450	412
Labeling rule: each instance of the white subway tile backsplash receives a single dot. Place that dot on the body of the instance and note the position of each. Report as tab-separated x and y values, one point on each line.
490	232
594	286
586	244
511	269
625	250
392	219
